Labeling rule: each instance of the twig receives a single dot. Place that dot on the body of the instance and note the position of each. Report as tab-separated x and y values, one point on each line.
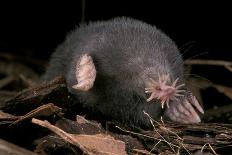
158	132
6	81
169	131
154	146
12	57
138	134
227	91
226	64
209	147
26	80
142	152
61	133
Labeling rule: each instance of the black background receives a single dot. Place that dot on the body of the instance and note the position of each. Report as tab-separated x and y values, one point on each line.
36	28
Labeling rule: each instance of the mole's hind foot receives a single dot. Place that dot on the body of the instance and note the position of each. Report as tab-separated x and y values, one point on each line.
85	73
185	112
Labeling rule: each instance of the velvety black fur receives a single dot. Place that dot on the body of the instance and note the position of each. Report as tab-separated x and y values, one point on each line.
126	53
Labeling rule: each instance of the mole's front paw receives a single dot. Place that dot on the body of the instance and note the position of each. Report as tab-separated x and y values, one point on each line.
185	111
85	73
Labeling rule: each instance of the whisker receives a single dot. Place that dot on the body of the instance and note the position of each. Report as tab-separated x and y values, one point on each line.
179	95
180	91
162	104
197	55
179	86
198	76
190	43
184	52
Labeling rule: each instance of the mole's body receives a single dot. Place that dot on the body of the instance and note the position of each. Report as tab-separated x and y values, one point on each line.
113	66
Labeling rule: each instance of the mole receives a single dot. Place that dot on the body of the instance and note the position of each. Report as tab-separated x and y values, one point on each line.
124	67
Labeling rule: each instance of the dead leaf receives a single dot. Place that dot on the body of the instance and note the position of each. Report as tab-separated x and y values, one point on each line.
99	144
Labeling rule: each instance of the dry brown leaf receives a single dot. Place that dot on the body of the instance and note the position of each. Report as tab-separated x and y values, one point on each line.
99	144
102	144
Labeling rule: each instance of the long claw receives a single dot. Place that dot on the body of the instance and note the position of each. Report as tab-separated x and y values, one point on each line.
151	97
181	109
162	104
175	115
167	103
195	116
197	105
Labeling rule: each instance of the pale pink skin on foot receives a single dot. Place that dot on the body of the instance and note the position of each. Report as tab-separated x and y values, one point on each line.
185	112
183	105
85	73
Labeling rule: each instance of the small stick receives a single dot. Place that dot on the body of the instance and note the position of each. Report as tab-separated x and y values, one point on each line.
226	64
209	147
61	133
6	81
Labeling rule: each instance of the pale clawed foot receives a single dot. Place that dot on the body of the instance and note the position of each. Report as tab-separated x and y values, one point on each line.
186	111
85	73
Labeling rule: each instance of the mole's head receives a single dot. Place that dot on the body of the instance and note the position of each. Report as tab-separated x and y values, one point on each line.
182	105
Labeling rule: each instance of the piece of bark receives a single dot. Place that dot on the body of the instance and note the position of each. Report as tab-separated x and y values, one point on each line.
53	144
87	127
83	127
7	148
80	126
90	144
54	91
187	137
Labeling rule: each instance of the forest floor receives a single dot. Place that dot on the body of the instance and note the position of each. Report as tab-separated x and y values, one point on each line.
41	118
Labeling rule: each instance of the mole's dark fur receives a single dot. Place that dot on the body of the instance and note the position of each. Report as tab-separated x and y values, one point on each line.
125	53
